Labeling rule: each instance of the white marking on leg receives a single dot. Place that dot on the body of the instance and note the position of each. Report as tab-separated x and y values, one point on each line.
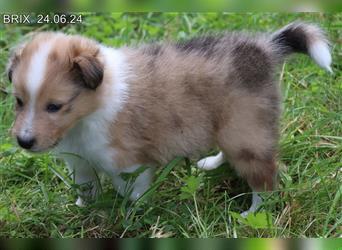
85	176
256	202
119	184
211	162
80	202
141	184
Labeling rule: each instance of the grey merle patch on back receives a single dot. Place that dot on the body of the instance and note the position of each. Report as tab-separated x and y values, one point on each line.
153	49
252	65
206	45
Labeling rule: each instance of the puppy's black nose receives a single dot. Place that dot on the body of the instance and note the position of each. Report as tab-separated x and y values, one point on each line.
26	143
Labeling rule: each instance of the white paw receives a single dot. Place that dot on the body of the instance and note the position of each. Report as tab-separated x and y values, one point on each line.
211	162
246	213
256	202
135	196
80	202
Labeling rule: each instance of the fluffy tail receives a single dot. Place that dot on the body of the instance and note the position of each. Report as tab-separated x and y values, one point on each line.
304	38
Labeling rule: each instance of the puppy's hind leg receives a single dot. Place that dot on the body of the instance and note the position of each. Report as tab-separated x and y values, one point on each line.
259	170
211	162
249	142
260	173
256	202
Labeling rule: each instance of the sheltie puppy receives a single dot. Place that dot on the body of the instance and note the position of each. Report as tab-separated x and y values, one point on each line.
116	109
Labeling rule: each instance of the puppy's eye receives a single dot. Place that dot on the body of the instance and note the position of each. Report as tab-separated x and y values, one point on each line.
53	108
19	102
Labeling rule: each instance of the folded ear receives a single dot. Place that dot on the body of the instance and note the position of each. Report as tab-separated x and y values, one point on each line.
88	69
13	60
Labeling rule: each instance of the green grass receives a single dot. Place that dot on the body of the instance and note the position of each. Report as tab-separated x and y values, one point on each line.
37	194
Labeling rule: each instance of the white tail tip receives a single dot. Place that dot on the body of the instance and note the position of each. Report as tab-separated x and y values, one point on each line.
319	51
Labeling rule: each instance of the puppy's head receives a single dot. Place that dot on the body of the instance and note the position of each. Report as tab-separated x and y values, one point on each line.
56	82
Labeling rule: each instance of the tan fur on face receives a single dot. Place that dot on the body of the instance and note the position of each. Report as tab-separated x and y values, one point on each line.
60	85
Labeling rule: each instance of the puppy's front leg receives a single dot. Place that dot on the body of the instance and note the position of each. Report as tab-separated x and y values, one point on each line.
84	176
142	184
138	187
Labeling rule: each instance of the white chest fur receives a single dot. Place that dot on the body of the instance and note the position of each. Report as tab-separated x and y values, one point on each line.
89	140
